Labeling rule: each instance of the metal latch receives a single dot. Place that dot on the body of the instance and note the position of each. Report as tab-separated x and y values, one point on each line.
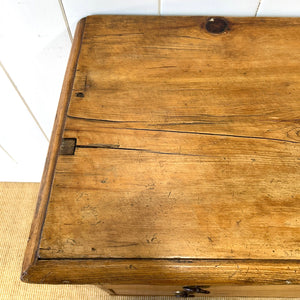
188	291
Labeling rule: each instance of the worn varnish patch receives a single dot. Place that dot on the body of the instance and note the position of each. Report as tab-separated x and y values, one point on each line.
184	135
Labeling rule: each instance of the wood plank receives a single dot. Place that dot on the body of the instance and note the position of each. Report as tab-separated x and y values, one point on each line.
171	70
182	138
166	272
201	203
238	127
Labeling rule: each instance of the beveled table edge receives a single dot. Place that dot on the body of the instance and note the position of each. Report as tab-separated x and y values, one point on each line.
31	253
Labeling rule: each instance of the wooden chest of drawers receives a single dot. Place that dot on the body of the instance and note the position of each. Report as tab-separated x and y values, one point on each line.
173	166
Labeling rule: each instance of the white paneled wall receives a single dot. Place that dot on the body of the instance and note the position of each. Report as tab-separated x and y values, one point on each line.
35	40
278	8
76	9
209	7
34	50
23	145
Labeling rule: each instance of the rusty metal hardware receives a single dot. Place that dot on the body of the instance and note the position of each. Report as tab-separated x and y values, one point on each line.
188	291
67	146
183	294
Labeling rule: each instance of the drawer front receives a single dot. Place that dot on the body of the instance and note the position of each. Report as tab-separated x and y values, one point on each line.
252	291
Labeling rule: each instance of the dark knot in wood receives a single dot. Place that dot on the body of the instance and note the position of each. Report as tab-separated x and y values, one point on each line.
216	25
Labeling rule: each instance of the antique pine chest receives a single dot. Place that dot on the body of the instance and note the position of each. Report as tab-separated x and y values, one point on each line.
173	167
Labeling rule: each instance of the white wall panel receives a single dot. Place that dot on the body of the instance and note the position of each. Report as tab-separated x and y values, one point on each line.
279	8
34	47
7	165
209	7
20	137
77	9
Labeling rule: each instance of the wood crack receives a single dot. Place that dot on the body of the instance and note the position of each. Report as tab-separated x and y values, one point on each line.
102	120
109	146
171	48
217	134
184	132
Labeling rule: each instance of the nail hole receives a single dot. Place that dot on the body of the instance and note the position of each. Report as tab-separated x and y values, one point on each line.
80	95
216	25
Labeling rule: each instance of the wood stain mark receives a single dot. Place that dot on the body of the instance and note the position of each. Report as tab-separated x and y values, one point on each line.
210	239
71	241
132	267
152	240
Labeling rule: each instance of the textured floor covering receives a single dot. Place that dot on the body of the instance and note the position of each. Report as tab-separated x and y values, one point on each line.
17	205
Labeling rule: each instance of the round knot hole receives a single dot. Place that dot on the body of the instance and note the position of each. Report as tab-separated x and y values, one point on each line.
216	25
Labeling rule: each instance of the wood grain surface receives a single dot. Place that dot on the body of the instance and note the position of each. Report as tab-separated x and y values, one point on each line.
187	147
187	143
166	272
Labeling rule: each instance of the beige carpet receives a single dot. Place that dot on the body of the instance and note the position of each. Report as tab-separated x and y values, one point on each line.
17	205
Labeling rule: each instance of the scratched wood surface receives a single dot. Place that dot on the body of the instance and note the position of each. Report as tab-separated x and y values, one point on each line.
187	142
181	140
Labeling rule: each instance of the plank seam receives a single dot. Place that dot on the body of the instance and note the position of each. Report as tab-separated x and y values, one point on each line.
6	152
159	7
24	101
257	9
181	259
63	11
